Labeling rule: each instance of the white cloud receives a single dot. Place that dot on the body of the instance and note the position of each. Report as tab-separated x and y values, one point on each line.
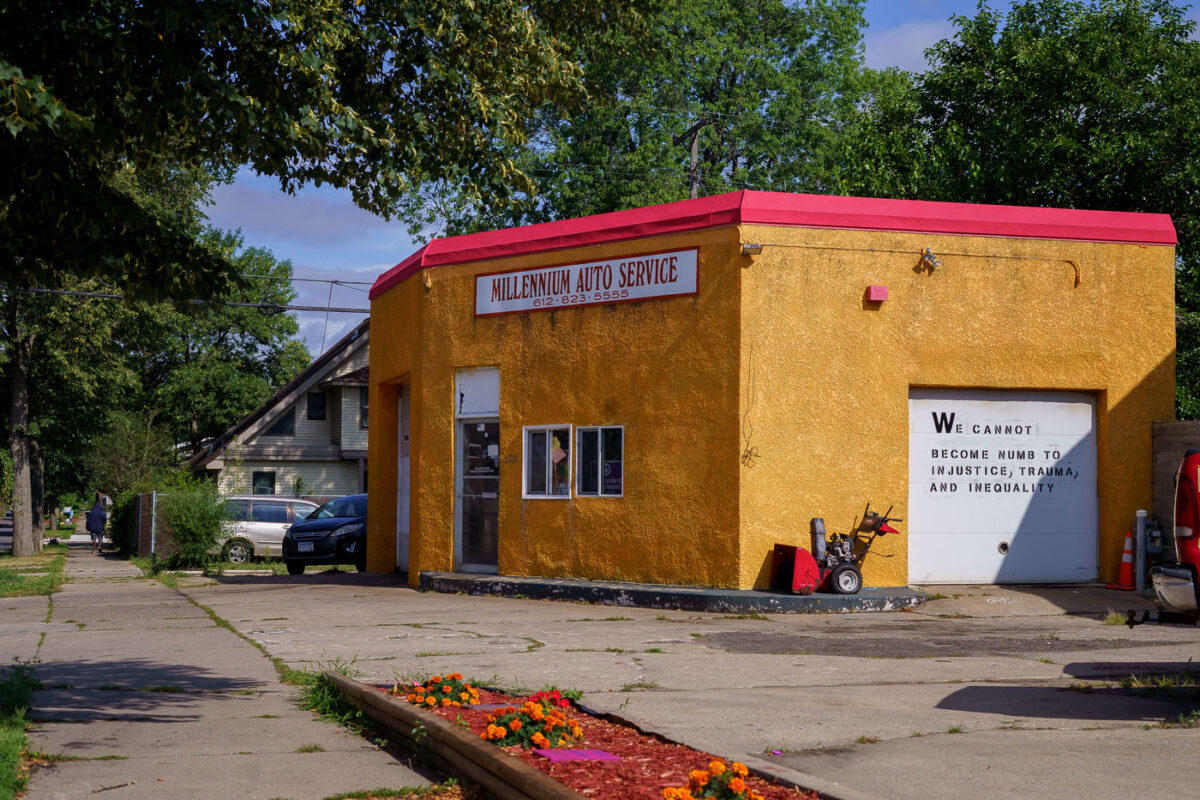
312	216
904	46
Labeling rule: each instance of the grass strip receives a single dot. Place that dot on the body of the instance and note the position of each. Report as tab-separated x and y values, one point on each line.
15	580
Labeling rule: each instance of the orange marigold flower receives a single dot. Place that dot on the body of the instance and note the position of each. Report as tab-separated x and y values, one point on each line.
716	767
739	769
737	785
515	725
430	701
436	679
447	689
445	702
698	778
540	741
464	696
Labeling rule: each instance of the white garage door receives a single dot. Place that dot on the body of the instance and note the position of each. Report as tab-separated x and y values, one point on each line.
1001	487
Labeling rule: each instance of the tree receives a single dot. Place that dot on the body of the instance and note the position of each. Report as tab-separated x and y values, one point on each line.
204	369
372	96
720	95
132	456
1060	103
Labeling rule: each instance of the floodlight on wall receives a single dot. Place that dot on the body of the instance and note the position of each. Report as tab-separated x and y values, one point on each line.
752	249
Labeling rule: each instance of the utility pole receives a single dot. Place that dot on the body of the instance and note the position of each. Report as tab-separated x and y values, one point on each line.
693	133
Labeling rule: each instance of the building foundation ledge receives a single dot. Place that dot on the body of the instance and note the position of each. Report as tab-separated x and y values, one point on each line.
677	598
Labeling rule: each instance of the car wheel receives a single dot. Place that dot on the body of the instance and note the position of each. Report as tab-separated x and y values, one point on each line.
846	579
293	568
239	551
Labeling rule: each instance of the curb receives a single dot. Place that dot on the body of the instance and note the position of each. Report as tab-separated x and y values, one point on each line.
455	751
677	598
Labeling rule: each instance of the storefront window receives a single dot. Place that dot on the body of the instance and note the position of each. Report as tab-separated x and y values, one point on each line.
601	462
548	462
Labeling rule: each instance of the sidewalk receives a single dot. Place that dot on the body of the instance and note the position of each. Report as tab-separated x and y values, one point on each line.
159	702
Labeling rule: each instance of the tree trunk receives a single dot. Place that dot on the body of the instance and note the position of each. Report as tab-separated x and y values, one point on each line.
37	490
18	438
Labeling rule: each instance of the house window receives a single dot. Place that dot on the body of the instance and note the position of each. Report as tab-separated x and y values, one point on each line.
284	426
316	405
601	454
363	394
548	461
263	482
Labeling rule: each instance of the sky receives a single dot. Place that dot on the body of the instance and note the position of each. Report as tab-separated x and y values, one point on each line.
325	235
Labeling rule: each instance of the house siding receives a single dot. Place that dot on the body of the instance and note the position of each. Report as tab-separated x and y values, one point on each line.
320	477
354	436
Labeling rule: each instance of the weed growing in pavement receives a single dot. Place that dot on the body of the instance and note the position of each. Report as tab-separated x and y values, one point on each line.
955	730
1185	679
319	695
867	740
751	615
310	748
1114	618
17	684
639	686
449	790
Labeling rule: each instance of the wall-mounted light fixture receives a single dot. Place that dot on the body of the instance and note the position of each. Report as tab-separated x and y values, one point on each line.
928	260
751	249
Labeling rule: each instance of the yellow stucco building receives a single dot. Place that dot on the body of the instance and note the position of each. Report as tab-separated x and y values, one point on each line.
662	394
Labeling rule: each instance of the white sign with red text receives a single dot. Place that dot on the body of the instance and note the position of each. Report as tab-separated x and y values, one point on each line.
645	277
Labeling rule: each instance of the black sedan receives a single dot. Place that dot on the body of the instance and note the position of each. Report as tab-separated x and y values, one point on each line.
336	533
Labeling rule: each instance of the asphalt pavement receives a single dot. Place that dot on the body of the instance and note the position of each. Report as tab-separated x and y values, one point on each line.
987	691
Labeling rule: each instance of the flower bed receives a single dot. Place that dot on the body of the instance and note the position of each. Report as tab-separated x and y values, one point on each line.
648	766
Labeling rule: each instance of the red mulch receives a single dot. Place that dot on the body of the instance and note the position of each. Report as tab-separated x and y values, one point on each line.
648	763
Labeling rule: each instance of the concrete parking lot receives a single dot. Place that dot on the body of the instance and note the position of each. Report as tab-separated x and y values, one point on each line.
996	692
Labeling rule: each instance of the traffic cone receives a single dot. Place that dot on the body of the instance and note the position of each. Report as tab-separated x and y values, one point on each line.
1125	576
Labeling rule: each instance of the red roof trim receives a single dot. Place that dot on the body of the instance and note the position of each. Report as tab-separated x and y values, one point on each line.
792	210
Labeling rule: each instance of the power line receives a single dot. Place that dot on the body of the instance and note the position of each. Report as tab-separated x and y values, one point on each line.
276	307
311	280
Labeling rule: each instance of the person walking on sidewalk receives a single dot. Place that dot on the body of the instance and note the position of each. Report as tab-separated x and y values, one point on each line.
95	524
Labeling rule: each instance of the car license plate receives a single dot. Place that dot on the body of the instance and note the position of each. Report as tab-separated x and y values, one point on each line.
304	547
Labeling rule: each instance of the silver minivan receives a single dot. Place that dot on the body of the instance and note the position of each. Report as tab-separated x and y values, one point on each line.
256	524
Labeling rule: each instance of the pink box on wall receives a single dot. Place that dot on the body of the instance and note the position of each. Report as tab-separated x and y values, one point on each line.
876	294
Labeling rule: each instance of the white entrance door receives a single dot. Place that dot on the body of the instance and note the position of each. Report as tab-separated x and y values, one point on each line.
1001	487
477	471
403	490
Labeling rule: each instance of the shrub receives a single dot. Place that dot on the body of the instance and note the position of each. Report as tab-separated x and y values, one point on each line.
539	722
191	519
441	690
717	782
